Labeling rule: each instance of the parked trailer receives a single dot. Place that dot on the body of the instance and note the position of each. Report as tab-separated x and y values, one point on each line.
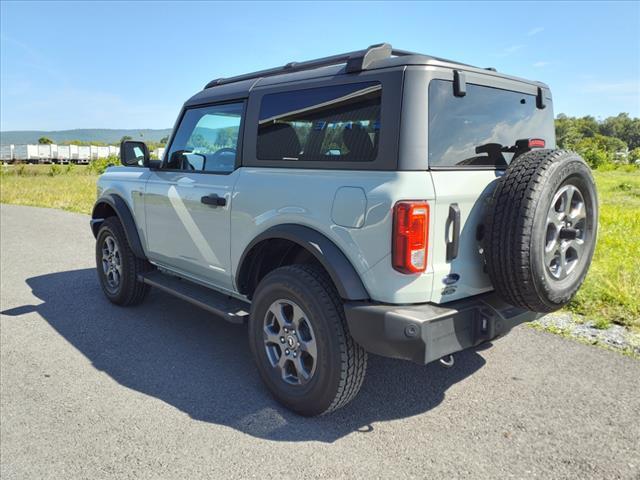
31	153
73	153
158	153
84	154
44	153
6	153
26	153
64	154
103	152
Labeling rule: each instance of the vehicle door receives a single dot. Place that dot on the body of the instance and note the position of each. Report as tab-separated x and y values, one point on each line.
188	200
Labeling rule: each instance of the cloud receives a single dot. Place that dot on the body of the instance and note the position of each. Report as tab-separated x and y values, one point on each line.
535	31
510	50
541	64
513	48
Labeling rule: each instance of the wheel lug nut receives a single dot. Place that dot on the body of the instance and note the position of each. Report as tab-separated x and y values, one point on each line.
287	352
281	339
295	354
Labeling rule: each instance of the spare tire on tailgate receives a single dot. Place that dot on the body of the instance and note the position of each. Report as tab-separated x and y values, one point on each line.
540	229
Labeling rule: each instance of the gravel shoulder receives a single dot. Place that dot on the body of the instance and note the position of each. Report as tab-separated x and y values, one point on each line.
164	390
615	337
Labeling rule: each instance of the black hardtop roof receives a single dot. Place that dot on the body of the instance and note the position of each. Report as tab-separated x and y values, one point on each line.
372	58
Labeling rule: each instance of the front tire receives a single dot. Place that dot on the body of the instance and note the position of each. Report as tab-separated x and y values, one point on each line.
300	341
118	267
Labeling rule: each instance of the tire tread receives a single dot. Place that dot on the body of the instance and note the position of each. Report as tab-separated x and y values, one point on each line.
133	266
353	358
509	224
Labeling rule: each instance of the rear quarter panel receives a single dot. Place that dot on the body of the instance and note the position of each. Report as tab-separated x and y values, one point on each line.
265	197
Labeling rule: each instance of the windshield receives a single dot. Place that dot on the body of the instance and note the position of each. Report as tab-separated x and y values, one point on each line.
475	130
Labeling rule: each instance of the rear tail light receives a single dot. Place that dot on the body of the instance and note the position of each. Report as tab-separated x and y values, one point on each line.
410	236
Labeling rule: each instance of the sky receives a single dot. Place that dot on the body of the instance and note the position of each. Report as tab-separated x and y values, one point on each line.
67	65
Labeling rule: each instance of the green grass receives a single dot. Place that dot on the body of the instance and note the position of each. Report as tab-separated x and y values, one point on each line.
52	186
610	294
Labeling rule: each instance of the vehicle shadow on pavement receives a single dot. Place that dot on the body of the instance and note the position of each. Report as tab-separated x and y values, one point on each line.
201	365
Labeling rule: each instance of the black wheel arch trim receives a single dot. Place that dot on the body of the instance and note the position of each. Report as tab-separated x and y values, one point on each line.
126	219
329	255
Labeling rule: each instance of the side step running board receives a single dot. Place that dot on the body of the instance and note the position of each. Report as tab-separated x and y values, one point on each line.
231	309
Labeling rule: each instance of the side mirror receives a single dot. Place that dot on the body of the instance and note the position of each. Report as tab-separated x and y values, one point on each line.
134	154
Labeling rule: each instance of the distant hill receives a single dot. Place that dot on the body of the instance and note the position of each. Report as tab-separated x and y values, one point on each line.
83	134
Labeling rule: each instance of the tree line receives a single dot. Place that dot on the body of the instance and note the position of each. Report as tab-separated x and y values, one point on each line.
614	140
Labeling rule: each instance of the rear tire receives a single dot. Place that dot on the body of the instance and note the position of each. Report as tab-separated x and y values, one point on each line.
541	227
300	341
118	267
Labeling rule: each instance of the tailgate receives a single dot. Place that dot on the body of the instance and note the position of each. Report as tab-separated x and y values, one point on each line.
460	193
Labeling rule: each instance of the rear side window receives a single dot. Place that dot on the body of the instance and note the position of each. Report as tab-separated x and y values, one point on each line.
335	123
471	131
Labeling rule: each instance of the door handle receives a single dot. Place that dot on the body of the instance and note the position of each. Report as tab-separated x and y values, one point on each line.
454	222
214	200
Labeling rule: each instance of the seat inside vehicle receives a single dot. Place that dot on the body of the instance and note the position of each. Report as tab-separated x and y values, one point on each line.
279	141
359	143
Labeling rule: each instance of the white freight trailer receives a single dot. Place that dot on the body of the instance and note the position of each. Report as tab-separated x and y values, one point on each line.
159	153
26	153
6	153
58	153
103	152
84	153
64	153
20	153
73	153
44	153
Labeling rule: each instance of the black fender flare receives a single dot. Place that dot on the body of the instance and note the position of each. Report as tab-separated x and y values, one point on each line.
126	219
342	273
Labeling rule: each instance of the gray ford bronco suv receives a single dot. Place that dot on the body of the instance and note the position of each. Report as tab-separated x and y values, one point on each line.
377	201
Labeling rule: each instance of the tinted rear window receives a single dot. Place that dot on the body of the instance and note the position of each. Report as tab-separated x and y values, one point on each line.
469	130
335	123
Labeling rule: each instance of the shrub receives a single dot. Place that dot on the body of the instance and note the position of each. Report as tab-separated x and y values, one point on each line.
101	164
593	154
600	150
55	170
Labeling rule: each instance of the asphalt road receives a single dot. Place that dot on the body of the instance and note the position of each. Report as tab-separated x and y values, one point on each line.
164	390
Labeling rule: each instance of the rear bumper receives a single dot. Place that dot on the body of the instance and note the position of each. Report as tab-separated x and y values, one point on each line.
426	332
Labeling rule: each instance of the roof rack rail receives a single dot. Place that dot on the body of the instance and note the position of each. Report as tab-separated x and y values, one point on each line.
356	61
